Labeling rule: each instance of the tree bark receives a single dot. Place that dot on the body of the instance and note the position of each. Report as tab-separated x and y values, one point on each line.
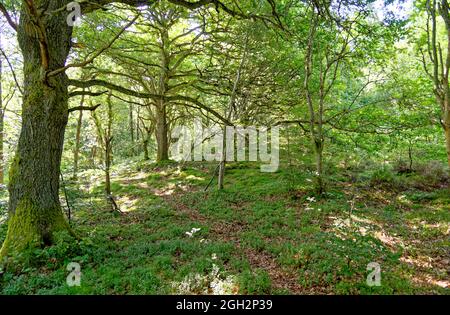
161	106
108	167
131	123
105	137
1	144
2	115
145	147
319	166
447	137
221	176
35	213
162	134
108	148
78	141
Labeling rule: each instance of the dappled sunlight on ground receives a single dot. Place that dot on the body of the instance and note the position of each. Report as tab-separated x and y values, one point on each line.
132	177
127	203
438	227
388	239
426	279
427	266
421	261
193	177
342	227
143	185
166	191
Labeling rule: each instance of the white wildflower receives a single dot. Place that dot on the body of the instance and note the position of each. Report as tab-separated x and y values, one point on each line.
192	232
311	199
212	283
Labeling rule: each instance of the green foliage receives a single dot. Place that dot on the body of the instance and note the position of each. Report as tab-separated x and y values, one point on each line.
289	236
386	197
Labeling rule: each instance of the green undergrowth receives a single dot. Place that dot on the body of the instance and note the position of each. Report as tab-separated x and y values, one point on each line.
261	226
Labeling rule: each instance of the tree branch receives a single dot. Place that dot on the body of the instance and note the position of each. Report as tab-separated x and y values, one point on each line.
41	33
98	53
8	17
111	86
88	93
12	70
90	108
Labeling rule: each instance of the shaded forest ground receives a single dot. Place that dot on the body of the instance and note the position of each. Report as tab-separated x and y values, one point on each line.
266	233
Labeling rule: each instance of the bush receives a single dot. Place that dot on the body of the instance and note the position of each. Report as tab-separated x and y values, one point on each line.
401	167
385	178
433	171
429	175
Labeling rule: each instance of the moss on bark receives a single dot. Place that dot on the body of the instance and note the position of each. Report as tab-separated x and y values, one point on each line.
30	226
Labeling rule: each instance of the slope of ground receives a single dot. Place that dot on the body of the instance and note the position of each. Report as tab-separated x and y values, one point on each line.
266	233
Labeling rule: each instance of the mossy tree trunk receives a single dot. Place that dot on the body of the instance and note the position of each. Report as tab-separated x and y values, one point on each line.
145	147
146	133
35	213
2	121
1	143
2	115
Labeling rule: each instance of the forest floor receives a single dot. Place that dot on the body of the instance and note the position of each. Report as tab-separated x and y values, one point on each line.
265	233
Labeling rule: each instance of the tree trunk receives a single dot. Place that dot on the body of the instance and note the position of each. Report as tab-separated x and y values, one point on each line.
131	122
78	141
161	108
319	166
447	139
108	137
138	126
145	147
1	144
162	134
289	146
221	176
410	156
108	167
2	116
2	121
35	213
